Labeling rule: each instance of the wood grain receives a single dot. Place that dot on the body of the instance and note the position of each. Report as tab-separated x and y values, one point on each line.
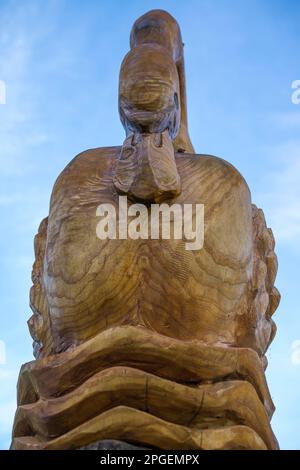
137	426
140	339
197	406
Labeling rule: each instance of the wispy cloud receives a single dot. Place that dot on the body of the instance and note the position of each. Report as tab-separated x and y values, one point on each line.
7	412
2	354
295	356
287	120
8	378
281	194
19	117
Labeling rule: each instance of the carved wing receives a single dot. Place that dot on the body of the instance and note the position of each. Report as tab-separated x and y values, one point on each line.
265	297
39	322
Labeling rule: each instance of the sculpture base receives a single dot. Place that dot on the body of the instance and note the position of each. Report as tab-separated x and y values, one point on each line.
110	444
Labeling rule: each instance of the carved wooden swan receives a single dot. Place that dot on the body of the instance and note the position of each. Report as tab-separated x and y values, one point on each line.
142	340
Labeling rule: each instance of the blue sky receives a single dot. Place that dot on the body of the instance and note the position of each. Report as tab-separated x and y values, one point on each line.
60	61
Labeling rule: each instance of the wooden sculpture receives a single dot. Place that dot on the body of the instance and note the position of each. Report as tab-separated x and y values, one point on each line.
141	340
